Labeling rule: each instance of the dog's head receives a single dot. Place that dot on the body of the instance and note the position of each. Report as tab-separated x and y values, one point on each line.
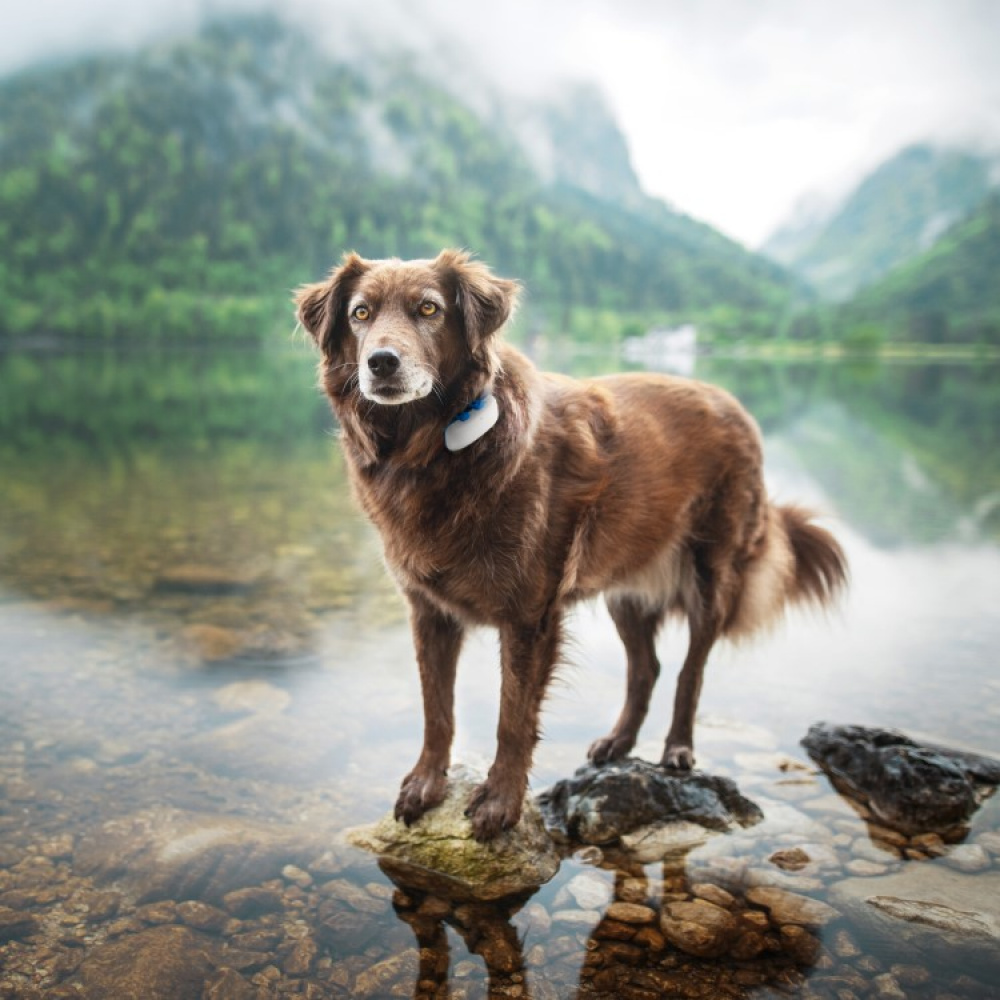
398	331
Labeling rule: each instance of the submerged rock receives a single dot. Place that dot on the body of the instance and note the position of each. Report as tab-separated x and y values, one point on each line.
932	911
911	788
601	805
161	963
438	853
166	853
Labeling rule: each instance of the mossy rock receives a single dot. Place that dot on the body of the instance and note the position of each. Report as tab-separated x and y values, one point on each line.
439	854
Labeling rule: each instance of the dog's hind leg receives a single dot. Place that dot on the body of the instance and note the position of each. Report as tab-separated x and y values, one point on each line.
679	750
637	626
438	640
527	658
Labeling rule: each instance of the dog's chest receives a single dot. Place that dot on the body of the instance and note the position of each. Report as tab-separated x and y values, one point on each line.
462	554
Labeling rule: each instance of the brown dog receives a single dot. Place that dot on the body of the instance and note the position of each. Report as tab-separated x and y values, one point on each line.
646	488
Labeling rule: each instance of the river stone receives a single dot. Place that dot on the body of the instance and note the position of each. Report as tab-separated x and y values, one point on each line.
166	853
161	963
790	908
699	927
908	787
600	805
931	911
441	843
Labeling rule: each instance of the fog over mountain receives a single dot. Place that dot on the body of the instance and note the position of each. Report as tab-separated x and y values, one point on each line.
732	111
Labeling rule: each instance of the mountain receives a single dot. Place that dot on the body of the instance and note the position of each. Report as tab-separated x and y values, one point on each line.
894	214
179	193
949	293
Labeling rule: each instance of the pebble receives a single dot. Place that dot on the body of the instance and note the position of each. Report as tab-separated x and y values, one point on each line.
874	851
789	908
302	956
589	890
699	927
843	945
792	859
297	875
589	855
577	918
929	843
967	858
713	893
631	913
634	890
800	944
252	902
888	988
861	866
202	916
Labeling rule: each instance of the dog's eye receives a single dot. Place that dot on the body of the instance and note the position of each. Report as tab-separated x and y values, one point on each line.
361	312
428	309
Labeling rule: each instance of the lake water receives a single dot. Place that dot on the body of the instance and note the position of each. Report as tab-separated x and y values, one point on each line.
207	677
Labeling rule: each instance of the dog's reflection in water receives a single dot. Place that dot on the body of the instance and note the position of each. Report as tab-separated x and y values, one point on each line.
430	904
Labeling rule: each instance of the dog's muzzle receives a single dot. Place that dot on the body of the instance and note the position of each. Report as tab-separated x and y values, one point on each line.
388	378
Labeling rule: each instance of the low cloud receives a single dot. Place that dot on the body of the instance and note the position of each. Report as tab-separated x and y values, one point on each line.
732	110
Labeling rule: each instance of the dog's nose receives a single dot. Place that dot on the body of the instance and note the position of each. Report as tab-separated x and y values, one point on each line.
383	362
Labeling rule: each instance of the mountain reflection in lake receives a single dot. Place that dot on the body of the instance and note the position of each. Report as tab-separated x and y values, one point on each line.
207	676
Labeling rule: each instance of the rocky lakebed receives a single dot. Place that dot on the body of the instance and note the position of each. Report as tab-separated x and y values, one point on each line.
215	879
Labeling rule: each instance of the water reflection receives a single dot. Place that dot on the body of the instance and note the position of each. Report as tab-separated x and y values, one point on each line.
196	635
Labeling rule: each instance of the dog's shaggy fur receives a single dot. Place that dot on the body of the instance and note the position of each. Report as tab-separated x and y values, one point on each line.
646	488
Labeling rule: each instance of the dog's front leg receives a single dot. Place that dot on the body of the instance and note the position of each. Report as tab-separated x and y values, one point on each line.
438	639
527	655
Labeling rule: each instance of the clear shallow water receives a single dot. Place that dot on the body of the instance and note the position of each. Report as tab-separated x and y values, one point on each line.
195	629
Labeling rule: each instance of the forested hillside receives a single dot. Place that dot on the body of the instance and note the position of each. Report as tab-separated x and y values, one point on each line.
180	192
894	214
948	294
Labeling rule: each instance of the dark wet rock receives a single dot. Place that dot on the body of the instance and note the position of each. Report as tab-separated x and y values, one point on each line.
439	854
165	853
161	963
930	911
907	786
15	925
600	805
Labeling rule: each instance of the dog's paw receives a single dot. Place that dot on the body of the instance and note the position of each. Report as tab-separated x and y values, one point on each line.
492	811
678	758
609	748
421	790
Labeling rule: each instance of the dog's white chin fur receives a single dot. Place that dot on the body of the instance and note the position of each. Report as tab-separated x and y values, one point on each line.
405	393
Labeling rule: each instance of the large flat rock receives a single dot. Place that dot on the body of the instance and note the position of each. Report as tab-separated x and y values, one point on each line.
930	910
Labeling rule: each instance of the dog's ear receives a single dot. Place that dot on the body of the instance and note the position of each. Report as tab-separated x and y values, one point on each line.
319	307
484	300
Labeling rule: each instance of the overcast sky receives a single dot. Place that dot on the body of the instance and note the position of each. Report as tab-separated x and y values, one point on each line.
733	109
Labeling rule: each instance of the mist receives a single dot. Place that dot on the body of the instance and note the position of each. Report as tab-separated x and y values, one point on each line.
733	112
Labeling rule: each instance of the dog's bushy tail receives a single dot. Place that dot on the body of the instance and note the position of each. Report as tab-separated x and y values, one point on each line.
820	571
